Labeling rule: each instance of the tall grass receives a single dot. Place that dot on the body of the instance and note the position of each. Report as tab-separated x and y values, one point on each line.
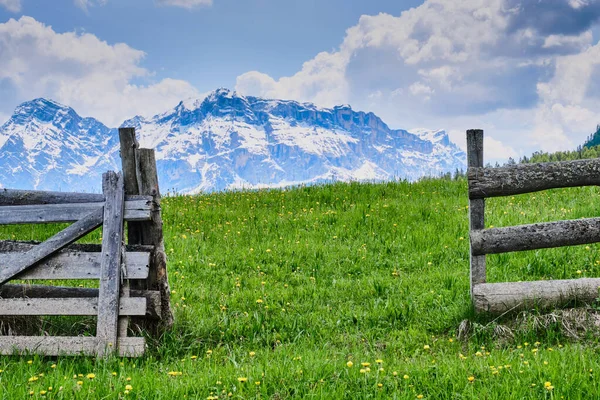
285	293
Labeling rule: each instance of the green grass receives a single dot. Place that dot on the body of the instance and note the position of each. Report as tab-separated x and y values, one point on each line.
285	287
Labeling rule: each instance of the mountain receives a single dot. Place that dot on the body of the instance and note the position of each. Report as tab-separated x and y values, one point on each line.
48	146
225	141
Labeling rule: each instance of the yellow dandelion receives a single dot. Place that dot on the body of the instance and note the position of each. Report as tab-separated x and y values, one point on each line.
242	379
252	354
426	347
128	387
471	378
90	376
349	364
365	364
419	396
379	361
80	383
406	377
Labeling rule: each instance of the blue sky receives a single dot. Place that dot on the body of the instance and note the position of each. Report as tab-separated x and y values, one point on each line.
527	72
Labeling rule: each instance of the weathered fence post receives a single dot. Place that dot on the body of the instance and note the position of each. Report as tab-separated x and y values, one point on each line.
141	177
110	271
476	206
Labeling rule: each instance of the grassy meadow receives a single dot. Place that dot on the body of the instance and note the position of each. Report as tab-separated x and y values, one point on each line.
338	291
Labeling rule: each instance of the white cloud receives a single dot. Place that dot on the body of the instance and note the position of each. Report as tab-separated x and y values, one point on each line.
11	5
495	150
80	70
470	60
189	4
85	4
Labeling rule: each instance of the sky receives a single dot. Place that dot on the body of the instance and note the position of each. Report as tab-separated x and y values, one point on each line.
525	71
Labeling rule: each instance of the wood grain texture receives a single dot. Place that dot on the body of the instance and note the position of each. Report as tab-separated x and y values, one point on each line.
67	345
77	265
68	306
527	178
26	291
476	206
498	298
536	236
135	210
110	275
14	197
52	245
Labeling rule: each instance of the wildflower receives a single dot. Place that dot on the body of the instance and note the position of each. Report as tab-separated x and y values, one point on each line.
405	376
53	366
420	396
395	373
242	379
363	371
471	378
33	379
349	364
259	301
252	354
379	361
114	374
426	347
257	383
380	385
90	376
29	362
80	383
193	357
128	387
129	378
43	392
365	364
174	373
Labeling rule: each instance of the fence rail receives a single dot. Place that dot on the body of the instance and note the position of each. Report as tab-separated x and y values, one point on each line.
487	182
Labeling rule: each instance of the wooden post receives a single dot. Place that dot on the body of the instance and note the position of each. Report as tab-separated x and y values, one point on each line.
110	274
476	206
140	175
152	233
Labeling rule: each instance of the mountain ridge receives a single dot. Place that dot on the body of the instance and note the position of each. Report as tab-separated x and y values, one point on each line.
225	141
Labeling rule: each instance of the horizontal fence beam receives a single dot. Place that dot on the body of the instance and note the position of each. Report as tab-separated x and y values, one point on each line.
10	246
135	210
526	178
498	298
67	345
153	300
78	265
535	236
12	197
128	306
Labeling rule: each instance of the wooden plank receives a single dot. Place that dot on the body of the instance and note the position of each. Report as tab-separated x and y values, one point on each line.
65	345
52	245
536	236
135	210
110	275
42	291
476	206
526	178
12	197
12	246
147	178
498	298
129	146
70	306
78	265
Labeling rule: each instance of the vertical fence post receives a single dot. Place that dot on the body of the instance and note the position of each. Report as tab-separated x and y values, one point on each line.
153	232
476	206
110	270
141	177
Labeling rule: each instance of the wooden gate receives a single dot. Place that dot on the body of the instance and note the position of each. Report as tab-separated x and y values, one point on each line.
133	279
525	178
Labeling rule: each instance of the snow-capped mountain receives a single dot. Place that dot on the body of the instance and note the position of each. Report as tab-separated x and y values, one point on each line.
225	141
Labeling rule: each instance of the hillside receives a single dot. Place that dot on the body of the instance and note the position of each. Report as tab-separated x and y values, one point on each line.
225	141
283	294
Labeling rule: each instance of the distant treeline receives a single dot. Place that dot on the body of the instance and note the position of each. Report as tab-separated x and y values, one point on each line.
590	149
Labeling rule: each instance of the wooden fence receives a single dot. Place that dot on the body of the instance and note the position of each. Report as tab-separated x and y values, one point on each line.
133	278
525	178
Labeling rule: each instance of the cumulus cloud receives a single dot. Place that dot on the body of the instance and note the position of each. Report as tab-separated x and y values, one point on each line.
189	4
447	62
79	70
11	5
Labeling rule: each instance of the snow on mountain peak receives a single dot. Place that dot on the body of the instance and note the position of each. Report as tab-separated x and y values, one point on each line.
221	142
